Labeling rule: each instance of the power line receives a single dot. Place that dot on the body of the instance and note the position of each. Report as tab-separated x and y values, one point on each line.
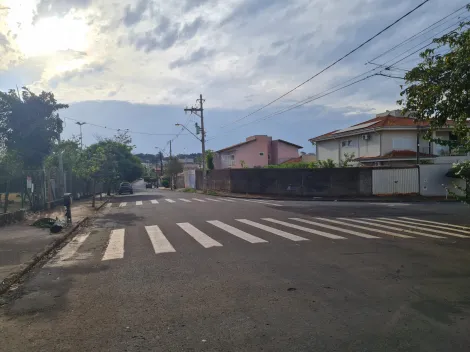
425	30
332	64
121	129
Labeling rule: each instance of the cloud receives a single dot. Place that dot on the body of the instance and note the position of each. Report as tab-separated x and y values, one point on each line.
46	8
132	17
165	34
196	56
192	4
87	70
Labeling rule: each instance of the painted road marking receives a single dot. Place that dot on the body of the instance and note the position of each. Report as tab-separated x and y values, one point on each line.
159	242
319	233
273	230
236	232
115	248
139	202
122	205
184	200
227	200
198	235
213	200
170	200
363	227
424	227
154	201
69	250
199	200
334	228
458	228
261	202
397	228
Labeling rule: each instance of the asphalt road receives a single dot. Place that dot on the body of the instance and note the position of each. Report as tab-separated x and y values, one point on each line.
171	271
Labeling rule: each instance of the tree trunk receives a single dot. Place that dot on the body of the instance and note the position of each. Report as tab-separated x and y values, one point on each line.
93	198
7	190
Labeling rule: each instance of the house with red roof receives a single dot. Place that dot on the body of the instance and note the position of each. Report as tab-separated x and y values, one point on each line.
389	139
256	151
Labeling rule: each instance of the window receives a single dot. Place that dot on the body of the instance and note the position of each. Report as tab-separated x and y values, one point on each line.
348	143
404	143
261	154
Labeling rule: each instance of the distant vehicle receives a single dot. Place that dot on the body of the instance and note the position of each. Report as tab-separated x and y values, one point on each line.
148	185
125	187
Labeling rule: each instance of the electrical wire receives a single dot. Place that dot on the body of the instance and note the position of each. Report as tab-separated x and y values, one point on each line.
331	65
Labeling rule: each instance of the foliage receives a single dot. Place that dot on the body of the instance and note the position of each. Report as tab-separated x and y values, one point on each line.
174	167
211	193
70	151
189	190
29	124
243	164
165	183
437	89
210	159
10	167
461	170
348	157
326	164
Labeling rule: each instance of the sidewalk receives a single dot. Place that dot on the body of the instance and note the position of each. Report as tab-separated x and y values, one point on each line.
21	243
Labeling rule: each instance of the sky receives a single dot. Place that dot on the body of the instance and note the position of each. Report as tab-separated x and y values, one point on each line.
136	64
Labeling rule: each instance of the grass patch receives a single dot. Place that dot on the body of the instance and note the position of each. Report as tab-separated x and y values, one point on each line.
189	190
211	193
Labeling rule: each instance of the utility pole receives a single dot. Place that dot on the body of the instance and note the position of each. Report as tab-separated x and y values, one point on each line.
81	136
200	112
171	175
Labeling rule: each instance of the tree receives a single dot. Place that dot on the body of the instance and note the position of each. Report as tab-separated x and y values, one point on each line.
461	170
210	159
348	157
29	124
437	90
10	167
173	168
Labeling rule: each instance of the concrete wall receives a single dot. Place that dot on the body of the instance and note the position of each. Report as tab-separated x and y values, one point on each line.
292	182
328	150
433	180
409	135
284	152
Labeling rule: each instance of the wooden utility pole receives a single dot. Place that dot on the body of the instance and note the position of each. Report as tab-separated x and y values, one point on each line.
200	112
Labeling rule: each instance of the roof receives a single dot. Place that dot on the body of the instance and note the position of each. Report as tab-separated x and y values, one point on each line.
293	160
380	122
292	144
395	154
235	145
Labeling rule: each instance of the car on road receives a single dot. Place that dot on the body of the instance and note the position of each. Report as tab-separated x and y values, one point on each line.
125	187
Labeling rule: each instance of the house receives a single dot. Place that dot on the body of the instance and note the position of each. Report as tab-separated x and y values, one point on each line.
256	151
389	139
304	158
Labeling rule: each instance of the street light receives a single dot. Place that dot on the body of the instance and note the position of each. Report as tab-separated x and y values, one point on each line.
81	136
178	124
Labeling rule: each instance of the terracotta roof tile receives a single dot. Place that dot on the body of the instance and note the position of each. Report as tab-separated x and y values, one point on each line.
396	154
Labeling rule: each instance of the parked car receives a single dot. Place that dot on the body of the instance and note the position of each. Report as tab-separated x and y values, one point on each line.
125	187
148	185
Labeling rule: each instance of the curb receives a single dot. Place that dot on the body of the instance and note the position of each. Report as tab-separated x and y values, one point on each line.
26	267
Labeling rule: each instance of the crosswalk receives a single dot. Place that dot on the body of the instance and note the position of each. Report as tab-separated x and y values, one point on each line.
261	231
192	200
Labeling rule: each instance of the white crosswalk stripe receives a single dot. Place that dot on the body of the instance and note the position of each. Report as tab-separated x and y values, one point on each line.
212	199
199	200
236	232
227	200
159	242
334	228
184	200
412	225
306	229
154	201
261	202
170	200
434	224
123	204
198	235
115	248
363	227
139	202
273	230
68	251
403	230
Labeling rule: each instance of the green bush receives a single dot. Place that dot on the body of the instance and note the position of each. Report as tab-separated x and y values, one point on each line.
165	183
189	190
